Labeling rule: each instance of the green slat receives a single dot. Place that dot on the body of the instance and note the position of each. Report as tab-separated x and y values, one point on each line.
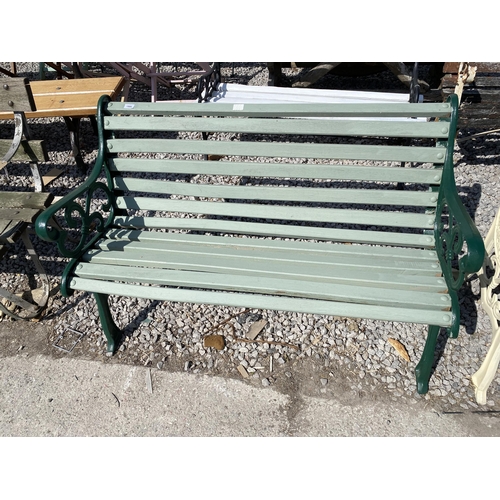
316	247
253	301
333	273
366	217
277	110
376	261
282	150
293	288
280	170
280	230
280	126
318	195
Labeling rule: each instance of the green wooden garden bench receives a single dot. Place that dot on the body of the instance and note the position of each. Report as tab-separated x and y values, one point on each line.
354	216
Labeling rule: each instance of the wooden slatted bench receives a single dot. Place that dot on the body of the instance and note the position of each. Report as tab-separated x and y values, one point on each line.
18	211
301	214
71	100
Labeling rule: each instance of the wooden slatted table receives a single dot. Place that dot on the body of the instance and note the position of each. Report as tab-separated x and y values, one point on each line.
72	100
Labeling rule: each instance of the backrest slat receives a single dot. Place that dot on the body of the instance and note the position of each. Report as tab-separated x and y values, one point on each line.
278	170
344	127
280	150
280	212
356	110
301	194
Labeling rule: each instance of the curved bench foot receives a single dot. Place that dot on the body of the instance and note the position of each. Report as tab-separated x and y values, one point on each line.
424	367
112	332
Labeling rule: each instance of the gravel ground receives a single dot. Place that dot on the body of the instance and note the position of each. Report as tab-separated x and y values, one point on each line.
323	355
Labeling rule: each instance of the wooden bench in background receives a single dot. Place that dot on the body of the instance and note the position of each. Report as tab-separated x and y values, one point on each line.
309	218
18	210
71	99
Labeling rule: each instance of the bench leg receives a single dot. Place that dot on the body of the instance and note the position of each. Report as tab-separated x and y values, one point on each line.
424	367
112	332
73	125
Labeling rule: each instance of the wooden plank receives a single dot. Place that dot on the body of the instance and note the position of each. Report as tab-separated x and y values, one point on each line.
375	128
280	212
272	286
355	110
254	301
15	200
15	95
276	230
316	73
19	214
73	98
28	151
482	67
278	170
281	150
263	192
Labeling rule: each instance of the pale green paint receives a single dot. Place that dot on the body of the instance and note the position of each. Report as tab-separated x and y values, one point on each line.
306	126
253	210
371	237
254	301
302	194
278	170
279	149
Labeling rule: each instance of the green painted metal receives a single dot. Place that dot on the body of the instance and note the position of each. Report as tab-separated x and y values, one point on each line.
424	366
458	238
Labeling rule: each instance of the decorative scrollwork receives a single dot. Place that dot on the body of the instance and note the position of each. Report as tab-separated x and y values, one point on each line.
450	247
86	215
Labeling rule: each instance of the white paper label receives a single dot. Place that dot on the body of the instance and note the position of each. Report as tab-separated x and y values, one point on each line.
129	106
238	107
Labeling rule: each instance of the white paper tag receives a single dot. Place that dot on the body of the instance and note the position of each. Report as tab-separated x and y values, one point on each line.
128	106
238	107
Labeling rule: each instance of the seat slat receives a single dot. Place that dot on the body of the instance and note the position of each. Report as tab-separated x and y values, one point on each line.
255	301
316	247
311	195
273	286
375	128
298	256
278	170
281	150
276	212
370	237
415	279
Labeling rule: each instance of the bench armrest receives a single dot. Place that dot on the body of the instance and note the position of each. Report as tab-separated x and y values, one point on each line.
460	246
87	211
